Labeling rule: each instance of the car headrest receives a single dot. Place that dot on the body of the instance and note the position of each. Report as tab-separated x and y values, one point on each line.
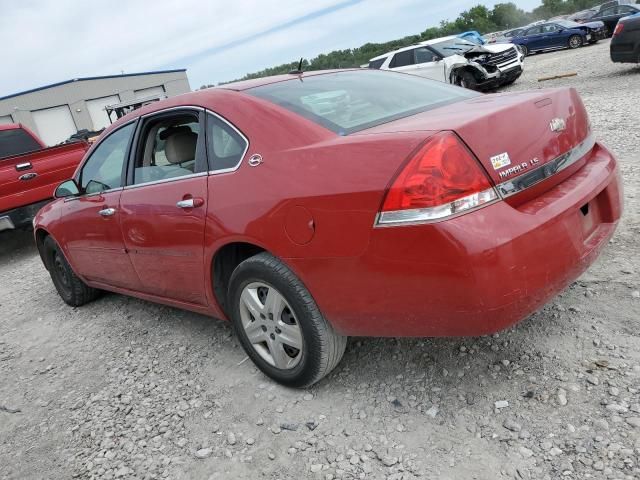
180	146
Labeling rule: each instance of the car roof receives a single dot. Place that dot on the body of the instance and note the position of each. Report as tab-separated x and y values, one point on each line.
419	44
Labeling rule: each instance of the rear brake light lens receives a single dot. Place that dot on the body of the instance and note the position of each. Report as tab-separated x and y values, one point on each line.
618	29
442	179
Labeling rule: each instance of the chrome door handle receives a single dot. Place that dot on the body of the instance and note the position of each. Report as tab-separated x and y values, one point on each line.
23	166
107	212
190	203
185	203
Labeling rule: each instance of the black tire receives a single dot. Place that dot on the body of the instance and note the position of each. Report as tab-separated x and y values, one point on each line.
322	347
467	80
575	41
71	289
525	50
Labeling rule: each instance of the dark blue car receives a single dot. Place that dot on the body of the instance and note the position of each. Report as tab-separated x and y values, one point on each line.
557	35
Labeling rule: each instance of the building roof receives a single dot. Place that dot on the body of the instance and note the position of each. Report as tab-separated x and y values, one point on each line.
122	75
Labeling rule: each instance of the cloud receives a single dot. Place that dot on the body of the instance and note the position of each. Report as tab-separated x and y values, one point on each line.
49	41
46	41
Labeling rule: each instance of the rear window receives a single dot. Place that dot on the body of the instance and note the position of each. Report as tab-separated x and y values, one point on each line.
347	102
16	142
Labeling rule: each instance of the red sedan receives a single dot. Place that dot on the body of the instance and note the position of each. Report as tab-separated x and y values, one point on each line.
310	207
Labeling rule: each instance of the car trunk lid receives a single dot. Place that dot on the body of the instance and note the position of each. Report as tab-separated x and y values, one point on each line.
513	134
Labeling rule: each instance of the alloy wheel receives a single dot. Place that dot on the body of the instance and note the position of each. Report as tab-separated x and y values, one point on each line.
575	41
271	325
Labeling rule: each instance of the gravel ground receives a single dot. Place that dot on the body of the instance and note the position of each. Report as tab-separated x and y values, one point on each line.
122	388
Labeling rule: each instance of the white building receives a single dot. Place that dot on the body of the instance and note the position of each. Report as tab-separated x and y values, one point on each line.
55	112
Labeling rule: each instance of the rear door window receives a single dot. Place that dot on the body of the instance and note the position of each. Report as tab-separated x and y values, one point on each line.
16	142
169	148
225	144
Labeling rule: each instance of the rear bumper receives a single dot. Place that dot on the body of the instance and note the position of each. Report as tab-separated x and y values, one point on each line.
20	217
475	274
625	52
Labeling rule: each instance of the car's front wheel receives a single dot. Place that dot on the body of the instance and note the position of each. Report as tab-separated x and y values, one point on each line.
575	41
70	287
468	80
524	49
279	324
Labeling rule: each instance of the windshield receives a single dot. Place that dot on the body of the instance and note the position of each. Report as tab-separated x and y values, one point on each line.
350	101
453	46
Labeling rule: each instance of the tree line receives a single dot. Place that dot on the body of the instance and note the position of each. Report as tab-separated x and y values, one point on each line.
502	16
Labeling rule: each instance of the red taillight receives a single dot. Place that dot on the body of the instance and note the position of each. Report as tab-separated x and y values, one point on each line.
442	179
618	29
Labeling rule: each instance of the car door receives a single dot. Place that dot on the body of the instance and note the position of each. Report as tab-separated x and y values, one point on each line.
429	64
89	226
164	205
552	36
533	38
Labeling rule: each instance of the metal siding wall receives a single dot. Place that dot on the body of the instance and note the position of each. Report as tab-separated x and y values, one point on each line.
75	94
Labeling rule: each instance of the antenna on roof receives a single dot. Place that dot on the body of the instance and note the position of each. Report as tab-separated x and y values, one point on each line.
299	70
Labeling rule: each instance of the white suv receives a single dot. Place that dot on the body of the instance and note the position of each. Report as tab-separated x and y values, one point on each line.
458	61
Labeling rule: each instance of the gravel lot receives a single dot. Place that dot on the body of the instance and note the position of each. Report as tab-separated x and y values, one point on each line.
122	388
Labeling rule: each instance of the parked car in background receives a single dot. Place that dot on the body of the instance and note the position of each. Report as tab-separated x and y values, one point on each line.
457	61
558	35
613	3
625	44
583	15
610	15
30	172
310	207
506	36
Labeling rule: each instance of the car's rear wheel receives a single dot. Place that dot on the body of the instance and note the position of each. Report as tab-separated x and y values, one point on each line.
279	324
71	289
575	41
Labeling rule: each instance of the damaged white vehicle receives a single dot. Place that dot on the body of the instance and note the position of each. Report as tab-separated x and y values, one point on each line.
457	61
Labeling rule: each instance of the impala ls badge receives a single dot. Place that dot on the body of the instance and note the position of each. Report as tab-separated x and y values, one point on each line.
558	125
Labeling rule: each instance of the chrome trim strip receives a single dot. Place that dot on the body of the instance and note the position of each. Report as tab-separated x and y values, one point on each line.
89	195
165	180
537	175
246	148
170	109
421	216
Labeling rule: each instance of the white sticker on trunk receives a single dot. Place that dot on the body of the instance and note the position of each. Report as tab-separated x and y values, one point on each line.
500	161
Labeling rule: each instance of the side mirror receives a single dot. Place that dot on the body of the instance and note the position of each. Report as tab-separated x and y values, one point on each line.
67	189
436	58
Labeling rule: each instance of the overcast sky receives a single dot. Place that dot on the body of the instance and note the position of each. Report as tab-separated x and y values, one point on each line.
47	41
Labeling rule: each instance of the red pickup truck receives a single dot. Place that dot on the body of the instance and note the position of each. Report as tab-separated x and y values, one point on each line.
30	172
